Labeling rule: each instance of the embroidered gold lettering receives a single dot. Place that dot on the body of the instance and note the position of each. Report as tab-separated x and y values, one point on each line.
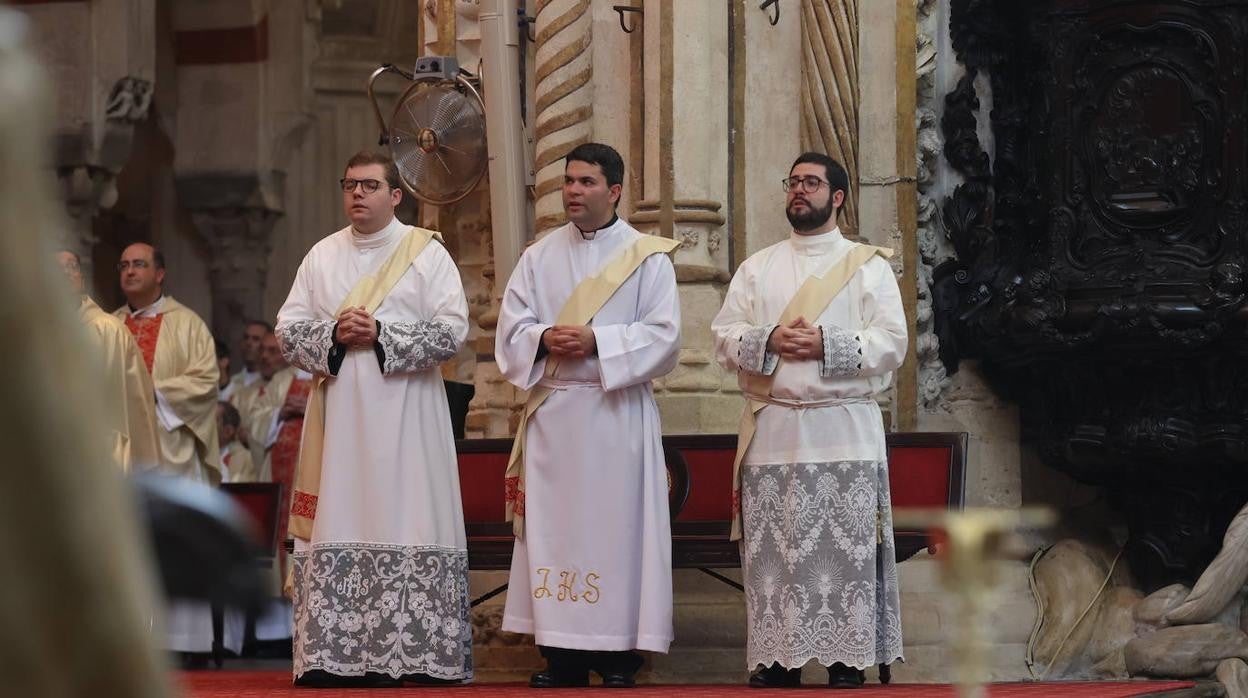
569	591
542	591
592	594
566	581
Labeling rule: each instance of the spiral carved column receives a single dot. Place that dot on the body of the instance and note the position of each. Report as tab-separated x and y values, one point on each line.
565	97
830	89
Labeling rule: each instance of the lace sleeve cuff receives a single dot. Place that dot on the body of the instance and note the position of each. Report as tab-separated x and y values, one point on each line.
752	354
308	344
415	346
842	353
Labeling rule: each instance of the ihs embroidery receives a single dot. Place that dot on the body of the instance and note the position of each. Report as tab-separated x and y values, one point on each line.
567	589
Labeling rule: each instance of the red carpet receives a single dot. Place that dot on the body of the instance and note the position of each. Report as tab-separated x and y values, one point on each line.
255	684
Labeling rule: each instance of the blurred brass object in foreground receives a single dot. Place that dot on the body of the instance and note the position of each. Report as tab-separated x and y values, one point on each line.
974	540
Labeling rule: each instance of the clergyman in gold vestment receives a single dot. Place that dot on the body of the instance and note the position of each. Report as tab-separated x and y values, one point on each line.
178	350
130	416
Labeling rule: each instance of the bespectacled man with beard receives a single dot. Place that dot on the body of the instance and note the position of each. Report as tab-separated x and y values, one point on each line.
814	327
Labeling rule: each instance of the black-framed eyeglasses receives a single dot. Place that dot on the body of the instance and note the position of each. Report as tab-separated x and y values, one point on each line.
369	186
137	264
809	184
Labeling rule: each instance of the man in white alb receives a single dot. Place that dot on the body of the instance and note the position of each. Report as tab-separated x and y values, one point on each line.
589	318
814	517
380	571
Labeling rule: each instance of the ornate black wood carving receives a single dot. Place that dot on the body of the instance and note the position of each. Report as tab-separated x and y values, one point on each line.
1101	250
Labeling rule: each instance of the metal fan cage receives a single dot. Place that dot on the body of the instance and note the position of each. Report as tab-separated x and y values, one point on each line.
437	139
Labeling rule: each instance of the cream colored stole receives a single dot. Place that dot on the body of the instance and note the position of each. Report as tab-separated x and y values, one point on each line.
811	299
586	300
368	292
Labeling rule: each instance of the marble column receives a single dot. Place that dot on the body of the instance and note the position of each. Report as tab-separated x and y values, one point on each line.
888	197
830	89
686	193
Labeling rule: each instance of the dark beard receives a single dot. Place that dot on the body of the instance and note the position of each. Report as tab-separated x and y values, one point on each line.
812	219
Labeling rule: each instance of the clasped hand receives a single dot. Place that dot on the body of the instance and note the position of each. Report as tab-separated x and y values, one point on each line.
570	341
797	340
356	328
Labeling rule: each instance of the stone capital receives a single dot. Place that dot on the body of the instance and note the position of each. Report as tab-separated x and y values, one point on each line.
699	226
234	216
232	190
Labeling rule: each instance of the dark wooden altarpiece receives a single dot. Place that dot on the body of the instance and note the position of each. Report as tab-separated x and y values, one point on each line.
1101	236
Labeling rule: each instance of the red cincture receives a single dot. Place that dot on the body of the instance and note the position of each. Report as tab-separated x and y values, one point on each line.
146	331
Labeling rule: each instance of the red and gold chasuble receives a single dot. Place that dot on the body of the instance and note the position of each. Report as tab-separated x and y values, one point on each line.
146	331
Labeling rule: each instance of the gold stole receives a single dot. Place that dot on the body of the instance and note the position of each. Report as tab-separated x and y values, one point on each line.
368	292
814	295
586	300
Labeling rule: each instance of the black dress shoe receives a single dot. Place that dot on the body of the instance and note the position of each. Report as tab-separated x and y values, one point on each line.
319	678
618	679
841	676
560	679
776	676
617	668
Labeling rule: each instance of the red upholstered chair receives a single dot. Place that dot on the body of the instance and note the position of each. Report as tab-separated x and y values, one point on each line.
925	471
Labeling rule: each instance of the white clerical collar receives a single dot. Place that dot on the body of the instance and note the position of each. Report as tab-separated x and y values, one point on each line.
302	375
591	235
379	238
148	311
815	244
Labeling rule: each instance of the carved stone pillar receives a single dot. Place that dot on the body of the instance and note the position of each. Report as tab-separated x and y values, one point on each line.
85	190
830	89
239	239
565	98
686	191
887	156
88	171
452	27
101	59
